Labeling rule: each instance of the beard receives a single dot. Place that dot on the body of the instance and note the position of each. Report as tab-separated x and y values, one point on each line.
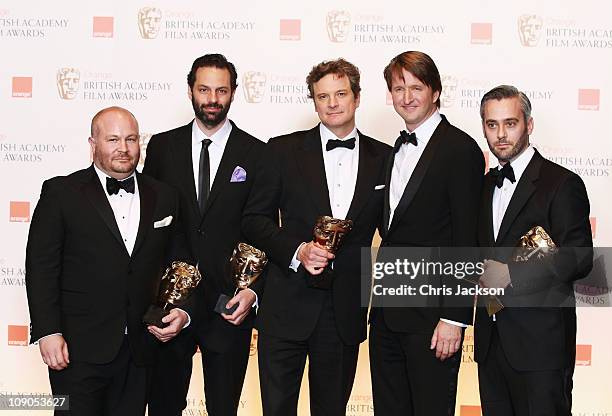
210	120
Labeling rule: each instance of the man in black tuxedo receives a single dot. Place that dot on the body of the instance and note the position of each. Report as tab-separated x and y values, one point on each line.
98	242
335	170
213	165
433	184
526	354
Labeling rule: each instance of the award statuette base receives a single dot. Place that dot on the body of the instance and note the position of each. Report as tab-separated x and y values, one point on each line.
154	316
221	302
321	281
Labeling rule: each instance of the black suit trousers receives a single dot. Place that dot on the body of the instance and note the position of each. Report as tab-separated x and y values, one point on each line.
118	388
407	378
505	391
331	369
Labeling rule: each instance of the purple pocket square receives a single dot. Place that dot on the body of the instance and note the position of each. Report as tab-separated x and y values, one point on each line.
239	175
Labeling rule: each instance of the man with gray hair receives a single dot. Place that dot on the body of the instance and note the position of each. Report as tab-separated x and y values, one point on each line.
526	354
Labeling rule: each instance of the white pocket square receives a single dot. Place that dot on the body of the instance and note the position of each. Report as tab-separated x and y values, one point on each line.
163	223
379	187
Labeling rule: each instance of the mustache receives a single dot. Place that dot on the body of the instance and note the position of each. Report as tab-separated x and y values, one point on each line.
213	105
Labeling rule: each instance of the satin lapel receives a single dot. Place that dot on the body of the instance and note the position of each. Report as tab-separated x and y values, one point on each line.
387	207
419	172
366	177
524	189
233	153
486	218
148	200
95	193
309	157
181	146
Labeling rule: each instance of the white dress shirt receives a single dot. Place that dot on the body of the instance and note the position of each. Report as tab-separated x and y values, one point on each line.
407	158
503	195
341	166
126	208
215	150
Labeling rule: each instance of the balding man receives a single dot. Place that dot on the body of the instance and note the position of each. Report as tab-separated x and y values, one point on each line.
98	242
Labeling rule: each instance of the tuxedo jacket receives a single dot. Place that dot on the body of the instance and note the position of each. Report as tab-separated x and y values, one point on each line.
537	338
292	188
80	279
439	208
213	235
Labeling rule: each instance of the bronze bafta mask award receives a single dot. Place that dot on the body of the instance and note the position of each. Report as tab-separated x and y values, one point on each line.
328	232
245	266
177	284
535	244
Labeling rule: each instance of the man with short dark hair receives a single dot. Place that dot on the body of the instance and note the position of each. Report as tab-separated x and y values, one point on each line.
433	190
526	354
98	244
334	170
213	165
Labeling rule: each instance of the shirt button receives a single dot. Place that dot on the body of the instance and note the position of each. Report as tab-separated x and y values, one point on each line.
339	163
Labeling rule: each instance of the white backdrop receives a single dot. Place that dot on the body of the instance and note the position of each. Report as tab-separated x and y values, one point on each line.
63	61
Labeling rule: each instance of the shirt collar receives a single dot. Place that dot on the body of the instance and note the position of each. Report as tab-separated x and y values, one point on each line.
219	138
519	164
327	134
102	177
426	130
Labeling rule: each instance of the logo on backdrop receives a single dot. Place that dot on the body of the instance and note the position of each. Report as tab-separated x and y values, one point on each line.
530	29
481	33
21	87
29	27
588	99
103	27
290	29
11	275
338	24
144	142
449	90
470	410
17	335
550	32
68	80
149	22
583	354
19	211
254	86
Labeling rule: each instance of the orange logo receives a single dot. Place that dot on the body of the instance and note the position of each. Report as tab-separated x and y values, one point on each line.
290	29
22	87
18	335
583	355
470	411
482	33
19	211
593	221
103	26
588	99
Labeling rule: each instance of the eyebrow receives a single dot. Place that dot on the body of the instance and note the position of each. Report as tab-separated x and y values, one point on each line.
505	119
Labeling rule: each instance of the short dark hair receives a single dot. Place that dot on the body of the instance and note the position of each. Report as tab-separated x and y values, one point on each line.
340	67
215	60
507	91
418	64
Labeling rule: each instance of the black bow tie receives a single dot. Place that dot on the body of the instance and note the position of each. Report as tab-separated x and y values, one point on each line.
404	138
332	144
500	174
113	185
